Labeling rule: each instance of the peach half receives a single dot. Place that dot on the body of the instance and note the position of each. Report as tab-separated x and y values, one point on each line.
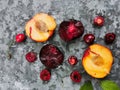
40	27
97	61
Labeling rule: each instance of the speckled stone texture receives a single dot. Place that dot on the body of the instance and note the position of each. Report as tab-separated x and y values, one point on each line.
18	74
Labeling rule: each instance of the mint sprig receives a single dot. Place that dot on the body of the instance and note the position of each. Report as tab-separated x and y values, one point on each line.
87	86
109	85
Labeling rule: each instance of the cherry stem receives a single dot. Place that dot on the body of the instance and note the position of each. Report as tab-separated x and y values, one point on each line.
8	52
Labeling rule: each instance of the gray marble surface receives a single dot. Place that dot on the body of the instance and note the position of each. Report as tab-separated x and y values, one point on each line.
18	74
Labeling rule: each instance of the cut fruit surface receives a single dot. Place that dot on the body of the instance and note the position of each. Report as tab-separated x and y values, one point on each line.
51	56
70	30
40	27
97	61
47	19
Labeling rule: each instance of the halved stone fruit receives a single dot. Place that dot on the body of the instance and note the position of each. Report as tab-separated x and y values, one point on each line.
97	61
40	27
51	56
70	30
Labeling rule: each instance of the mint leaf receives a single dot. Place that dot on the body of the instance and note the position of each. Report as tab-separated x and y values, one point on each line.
87	86
109	85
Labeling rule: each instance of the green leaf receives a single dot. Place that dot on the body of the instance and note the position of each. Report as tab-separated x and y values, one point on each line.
87	86
109	85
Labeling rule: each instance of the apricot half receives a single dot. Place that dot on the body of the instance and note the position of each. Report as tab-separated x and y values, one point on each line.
40	27
97	61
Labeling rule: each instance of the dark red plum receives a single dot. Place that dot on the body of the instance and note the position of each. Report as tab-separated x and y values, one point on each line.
51	56
70	30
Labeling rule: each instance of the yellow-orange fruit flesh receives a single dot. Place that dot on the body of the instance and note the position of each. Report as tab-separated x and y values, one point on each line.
40	27
97	61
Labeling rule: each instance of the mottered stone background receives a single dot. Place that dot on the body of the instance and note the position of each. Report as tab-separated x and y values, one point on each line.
18	74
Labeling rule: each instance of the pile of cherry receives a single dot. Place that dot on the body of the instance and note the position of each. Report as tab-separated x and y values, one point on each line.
52	57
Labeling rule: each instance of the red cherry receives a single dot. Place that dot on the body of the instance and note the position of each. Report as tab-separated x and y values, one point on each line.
99	21
72	60
109	38
45	75
75	76
89	38
31	56
20	37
